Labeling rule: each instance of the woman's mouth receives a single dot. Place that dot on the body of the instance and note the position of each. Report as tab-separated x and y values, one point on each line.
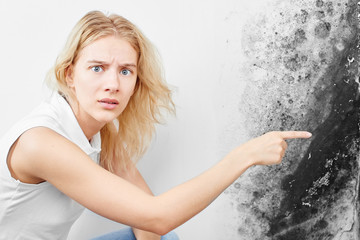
108	103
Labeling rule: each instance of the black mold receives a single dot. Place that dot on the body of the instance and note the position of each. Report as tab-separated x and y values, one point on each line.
293	234
320	14
293	63
300	36
319	3
322	224
330	8
287	121
322	30
330	161
303	16
328	155
309	80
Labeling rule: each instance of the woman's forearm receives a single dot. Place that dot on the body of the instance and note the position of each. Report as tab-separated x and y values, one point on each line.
132	175
186	200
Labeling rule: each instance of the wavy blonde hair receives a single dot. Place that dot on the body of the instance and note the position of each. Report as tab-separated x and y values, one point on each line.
130	137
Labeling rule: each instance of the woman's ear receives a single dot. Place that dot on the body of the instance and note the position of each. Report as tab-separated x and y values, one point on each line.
69	76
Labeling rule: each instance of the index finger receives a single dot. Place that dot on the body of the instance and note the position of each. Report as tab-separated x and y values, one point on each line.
295	134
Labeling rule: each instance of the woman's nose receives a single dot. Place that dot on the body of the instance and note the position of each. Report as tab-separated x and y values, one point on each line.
112	83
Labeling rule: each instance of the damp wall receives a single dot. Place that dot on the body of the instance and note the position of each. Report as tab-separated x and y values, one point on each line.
302	68
238	69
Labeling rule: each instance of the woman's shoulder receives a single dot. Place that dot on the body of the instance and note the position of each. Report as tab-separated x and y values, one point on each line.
41	116
33	150
34	141
53	113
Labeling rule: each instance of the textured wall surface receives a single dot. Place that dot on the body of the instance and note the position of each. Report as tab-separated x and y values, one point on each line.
302	68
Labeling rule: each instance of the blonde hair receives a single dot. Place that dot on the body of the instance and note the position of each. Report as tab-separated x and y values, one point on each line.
136	124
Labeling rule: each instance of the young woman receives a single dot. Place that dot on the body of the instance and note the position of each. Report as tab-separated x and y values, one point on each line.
77	149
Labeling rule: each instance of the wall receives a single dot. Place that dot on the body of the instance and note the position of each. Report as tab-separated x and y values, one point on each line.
239	69
302	68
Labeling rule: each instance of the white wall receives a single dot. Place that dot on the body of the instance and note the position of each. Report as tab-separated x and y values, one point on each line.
193	39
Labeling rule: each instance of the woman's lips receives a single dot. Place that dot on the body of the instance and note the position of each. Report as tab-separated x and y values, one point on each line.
108	103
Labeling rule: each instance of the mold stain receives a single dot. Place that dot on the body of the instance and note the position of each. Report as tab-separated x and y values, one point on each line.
304	73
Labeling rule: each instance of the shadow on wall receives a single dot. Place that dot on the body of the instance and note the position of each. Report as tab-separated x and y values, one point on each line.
303	74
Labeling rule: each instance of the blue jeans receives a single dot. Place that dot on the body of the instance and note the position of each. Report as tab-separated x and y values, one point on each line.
127	234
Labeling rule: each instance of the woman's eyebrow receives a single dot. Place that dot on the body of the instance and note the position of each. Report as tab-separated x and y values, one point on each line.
98	62
106	63
128	65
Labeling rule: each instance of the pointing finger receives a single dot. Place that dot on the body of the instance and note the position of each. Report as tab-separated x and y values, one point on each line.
295	134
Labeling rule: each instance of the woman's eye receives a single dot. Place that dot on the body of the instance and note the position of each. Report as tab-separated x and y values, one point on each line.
97	69
125	72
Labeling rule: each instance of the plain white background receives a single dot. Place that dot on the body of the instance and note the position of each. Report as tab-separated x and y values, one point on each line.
199	42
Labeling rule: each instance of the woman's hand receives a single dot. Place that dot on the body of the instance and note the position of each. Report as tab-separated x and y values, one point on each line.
267	149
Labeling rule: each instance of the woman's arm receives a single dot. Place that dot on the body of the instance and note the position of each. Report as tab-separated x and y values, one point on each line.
42	153
132	175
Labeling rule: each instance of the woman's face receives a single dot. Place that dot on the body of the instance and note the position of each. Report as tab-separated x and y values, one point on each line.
103	80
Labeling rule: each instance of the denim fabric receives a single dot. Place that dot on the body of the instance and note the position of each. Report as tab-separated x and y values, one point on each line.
127	234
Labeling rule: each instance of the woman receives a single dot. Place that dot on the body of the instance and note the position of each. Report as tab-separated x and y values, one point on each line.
109	92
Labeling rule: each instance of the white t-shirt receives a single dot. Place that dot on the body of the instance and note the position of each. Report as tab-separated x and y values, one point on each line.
41	211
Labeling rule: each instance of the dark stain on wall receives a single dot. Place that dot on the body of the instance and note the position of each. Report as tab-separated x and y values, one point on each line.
304	74
331	159
330	162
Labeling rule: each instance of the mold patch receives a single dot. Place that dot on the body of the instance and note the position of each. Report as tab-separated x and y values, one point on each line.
322	30
303	73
